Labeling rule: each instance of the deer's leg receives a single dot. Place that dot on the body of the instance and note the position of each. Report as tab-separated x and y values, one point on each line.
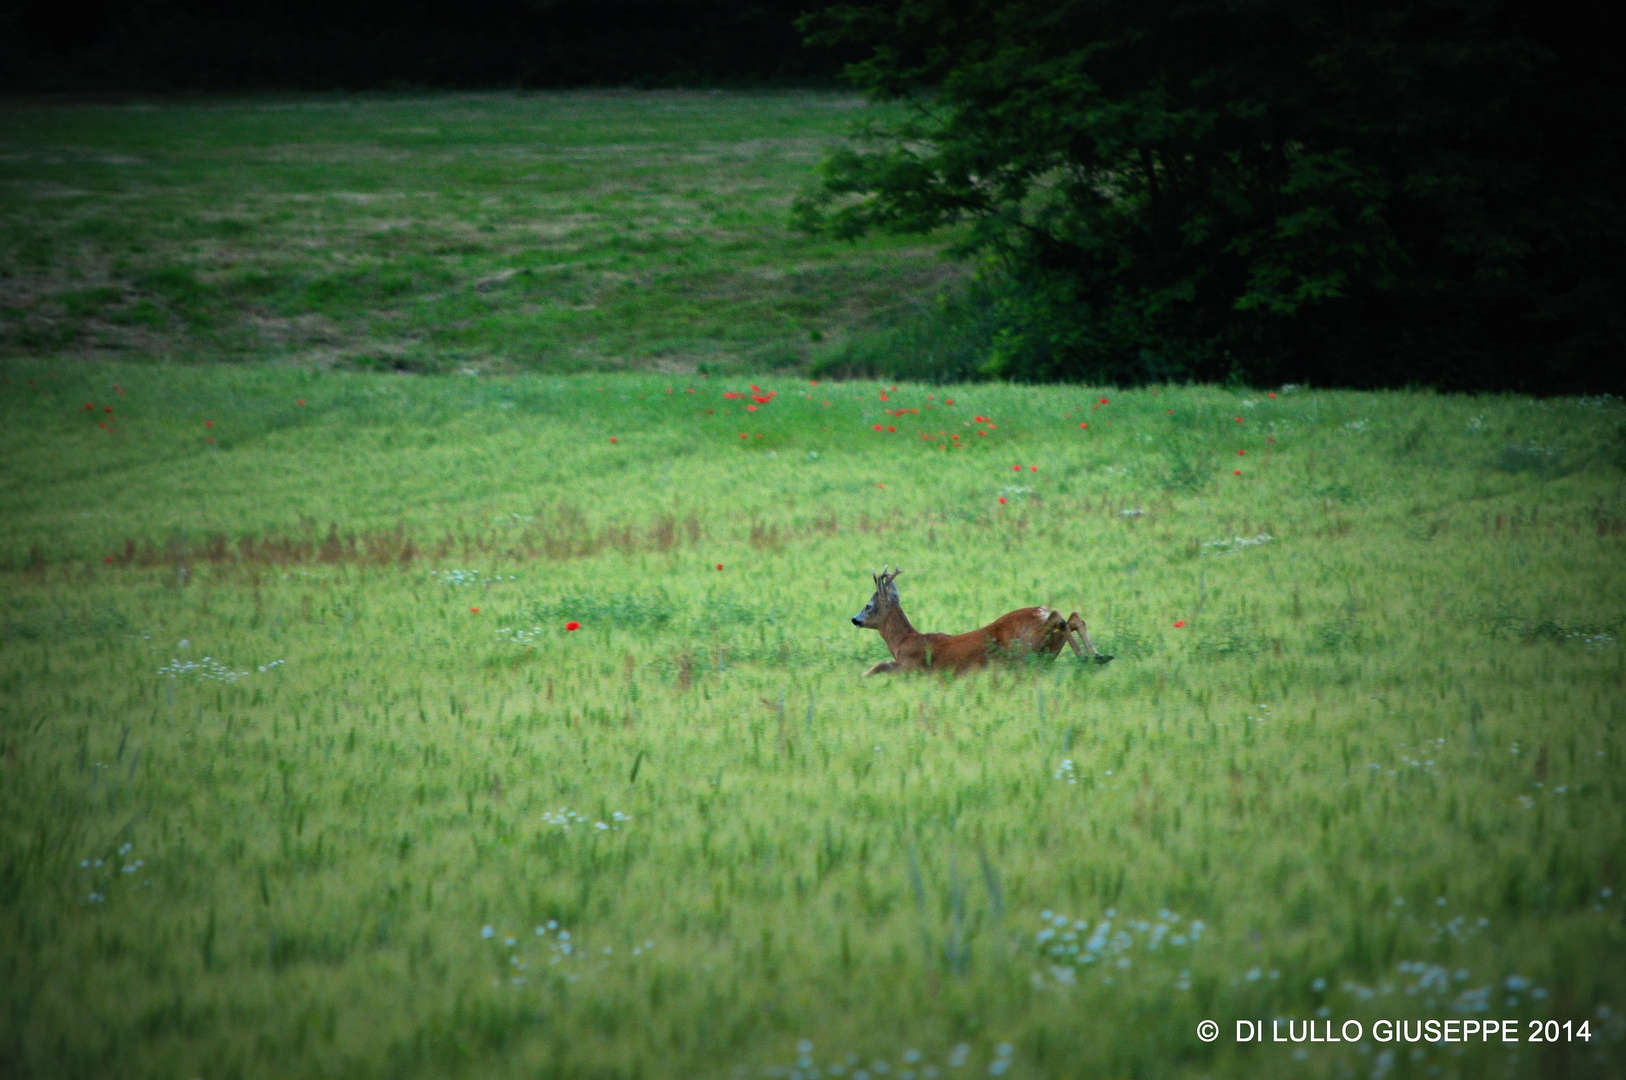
1065	628
1056	634
1075	623
882	668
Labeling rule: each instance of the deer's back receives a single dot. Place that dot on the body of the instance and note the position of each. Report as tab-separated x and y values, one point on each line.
1010	634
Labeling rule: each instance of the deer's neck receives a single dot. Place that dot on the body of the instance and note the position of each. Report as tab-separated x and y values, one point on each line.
896	631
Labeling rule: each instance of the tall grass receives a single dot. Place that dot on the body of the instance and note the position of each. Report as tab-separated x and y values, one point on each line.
303	774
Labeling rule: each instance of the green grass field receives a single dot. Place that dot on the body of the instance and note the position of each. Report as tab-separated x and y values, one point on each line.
497	232
303	774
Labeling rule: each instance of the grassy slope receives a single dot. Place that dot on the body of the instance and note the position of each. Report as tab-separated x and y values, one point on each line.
1410	693
541	232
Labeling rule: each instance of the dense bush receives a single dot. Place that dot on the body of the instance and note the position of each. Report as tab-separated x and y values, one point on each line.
1366	195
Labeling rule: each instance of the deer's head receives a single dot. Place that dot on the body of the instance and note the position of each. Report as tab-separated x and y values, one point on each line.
882	603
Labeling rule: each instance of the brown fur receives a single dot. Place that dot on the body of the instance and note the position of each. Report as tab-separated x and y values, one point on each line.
1034	631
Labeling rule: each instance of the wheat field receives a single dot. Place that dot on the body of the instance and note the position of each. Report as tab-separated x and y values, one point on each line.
302	771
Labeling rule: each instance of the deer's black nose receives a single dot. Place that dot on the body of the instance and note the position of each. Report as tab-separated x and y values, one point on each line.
857	621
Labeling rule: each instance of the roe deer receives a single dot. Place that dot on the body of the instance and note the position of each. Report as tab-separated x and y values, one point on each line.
1034	631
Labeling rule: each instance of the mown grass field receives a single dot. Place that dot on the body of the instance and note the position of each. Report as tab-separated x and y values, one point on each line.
492	232
301	772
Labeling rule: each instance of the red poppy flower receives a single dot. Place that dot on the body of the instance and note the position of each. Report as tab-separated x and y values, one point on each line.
90	406
1033	468
812	382
889	427
1238	472
1016	468
301	401
1273	393
757	388
1171	412
948	401
1239	419
1270	438
474	611
208	423
884	397
878	427
710	411
614	439
719	566
743	435
210	439
108	559
573	625
1083	425
107	408
882	486
691	390
1002	500
981	432
1103	401
750	408
1179	624
1239	453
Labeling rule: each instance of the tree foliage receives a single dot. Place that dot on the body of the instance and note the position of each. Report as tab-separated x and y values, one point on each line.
1362	194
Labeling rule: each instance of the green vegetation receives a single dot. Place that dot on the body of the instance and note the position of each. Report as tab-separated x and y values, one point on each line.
495	232
1270	191
302	774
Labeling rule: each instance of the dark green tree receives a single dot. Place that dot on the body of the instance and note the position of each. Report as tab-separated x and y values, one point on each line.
1345	193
